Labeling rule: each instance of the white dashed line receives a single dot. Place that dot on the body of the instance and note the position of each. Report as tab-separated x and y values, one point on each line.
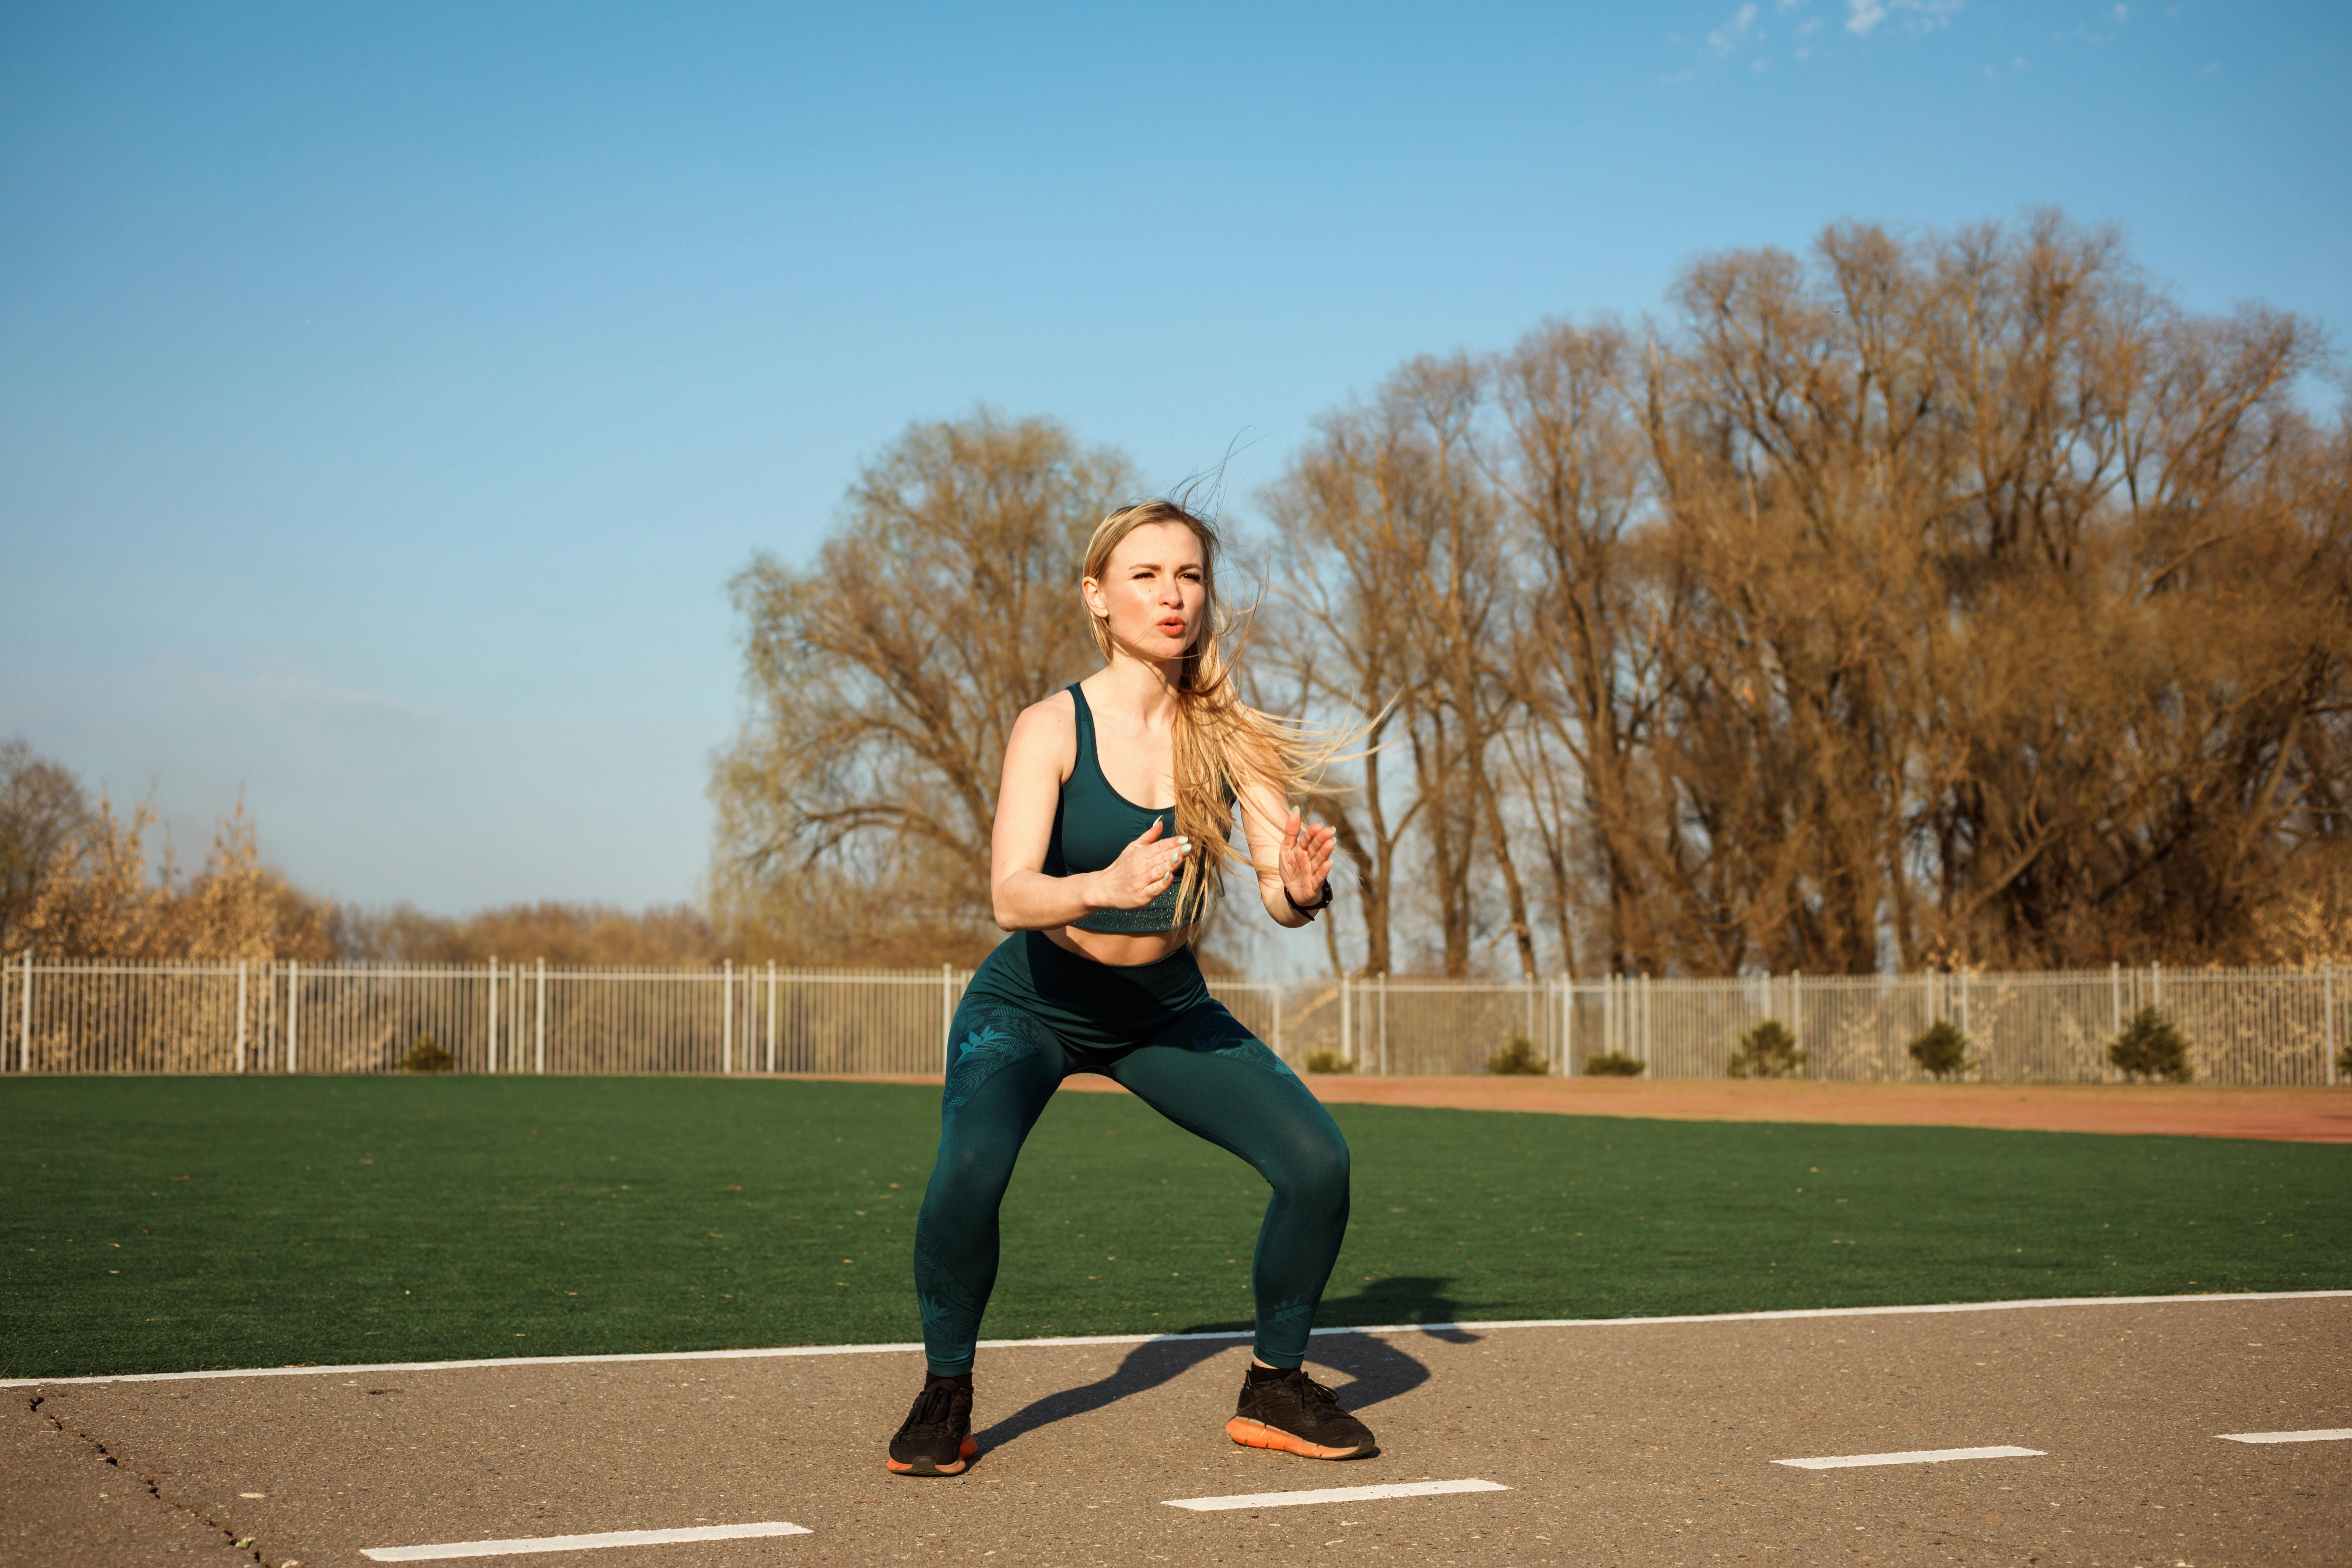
1916	1456
1333	1494
2316	1435
579	1542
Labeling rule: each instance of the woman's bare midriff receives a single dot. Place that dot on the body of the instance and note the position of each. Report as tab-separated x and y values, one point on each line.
1124	948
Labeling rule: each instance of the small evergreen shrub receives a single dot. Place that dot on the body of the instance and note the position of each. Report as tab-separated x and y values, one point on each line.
1329	1061
426	1054
1942	1051
1518	1058
2151	1046
1767	1050
2344	1062
1613	1064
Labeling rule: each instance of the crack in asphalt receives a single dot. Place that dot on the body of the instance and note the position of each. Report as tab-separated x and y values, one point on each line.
235	1541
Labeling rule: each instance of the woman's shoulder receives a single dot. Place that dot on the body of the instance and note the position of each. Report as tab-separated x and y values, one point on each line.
1055	710
1048	726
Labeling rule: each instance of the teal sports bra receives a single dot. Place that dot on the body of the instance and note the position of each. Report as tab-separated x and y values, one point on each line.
1093	822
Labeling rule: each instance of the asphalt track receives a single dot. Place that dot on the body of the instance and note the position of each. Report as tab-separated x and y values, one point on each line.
1635	1442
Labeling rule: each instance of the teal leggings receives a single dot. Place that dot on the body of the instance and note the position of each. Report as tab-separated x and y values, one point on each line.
1033	1017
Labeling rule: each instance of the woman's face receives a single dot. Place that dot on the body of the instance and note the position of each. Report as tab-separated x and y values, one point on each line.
1153	591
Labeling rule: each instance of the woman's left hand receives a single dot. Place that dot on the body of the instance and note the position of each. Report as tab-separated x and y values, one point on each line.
1305	860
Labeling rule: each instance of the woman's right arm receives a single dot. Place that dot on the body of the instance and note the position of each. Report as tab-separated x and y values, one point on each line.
1038	756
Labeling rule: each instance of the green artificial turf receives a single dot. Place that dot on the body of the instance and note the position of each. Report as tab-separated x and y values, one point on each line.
163	1223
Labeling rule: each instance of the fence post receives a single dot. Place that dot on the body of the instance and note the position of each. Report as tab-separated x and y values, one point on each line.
293	1006
240	1014
494	1016
1384	1023
772	1015
25	1029
1567	1025
1277	1018
726	1015
2155	985
946	1019
1797	1003
2327	1019
539	1024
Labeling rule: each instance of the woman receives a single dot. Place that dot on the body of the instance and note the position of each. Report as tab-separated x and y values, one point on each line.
1100	894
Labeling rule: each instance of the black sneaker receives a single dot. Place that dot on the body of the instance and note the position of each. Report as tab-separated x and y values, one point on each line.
1294	1413
937	1438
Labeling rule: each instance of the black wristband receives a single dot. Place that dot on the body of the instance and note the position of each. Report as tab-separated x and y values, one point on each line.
1322	903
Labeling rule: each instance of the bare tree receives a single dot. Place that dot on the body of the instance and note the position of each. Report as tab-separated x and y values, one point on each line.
42	812
884	677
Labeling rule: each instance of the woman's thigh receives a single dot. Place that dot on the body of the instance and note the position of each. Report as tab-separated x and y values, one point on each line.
1003	1068
1211	1077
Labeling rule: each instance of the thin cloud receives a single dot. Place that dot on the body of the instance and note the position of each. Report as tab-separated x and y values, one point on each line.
1863	18
1734	33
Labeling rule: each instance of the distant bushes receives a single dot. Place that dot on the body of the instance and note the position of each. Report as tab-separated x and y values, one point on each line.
1942	1051
1767	1050
1613	1064
1328	1061
427	1054
2151	1046
1518	1058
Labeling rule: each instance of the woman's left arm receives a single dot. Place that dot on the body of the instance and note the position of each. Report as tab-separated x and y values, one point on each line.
1292	858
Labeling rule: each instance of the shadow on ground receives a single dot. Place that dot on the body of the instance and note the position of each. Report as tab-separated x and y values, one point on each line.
1377	1370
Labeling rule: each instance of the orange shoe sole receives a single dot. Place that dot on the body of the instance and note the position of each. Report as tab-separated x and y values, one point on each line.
1251	1434
971	1447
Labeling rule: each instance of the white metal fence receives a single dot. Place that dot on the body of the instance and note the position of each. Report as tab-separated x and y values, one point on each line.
2244	1027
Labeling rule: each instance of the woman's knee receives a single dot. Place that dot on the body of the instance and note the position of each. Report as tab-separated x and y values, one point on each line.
1315	1172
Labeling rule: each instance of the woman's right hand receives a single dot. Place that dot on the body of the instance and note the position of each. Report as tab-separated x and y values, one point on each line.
1142	871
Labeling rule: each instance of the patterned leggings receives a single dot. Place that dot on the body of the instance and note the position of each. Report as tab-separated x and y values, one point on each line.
1205	1073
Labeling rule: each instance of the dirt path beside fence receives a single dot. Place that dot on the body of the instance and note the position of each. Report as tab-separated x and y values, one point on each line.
2195	1110
2290	1115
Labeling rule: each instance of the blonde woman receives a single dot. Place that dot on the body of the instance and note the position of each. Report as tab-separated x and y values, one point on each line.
1101	891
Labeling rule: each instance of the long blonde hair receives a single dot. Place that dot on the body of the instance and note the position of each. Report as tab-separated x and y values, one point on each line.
1217	736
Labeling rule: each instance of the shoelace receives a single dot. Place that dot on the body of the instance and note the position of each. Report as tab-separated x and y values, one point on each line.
934	1410
1317	1399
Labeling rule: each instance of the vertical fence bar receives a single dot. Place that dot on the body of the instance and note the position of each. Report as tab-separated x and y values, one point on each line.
727	1015
772	1015
293	1006
1385	1023
240	1014
1964	1011
1347	1030
539	1024
1567	1025
947	1018
25	1019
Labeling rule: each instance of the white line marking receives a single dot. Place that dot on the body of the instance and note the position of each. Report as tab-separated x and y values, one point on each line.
579	1542
2316	1435
1333	1494
1916	1456
347	1370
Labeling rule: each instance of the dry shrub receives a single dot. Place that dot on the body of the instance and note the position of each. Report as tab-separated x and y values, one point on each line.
1519	1058
583	936
99	897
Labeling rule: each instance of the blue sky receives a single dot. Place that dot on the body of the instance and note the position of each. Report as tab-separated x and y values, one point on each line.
386	393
